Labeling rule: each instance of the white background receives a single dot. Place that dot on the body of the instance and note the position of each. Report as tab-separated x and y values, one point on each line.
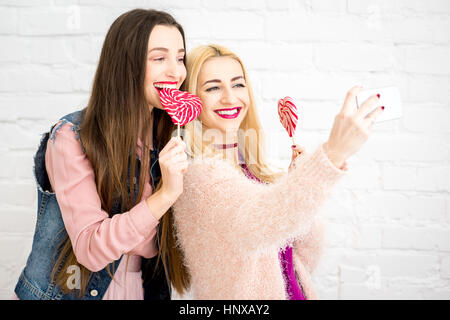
388	220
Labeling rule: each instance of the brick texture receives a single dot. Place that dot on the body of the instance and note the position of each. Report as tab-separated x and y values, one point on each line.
388	221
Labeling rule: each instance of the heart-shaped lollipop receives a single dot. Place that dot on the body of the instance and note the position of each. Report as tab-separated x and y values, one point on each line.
182	107
288	115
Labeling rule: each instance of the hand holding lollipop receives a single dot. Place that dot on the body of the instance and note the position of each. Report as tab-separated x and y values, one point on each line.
182	107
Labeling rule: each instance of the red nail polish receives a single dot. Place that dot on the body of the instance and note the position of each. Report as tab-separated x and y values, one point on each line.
293	146
382	107
378	95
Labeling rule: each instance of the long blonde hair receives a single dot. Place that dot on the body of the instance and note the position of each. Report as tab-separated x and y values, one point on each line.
253	152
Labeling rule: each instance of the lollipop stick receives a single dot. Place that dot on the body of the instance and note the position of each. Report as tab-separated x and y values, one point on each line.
178	130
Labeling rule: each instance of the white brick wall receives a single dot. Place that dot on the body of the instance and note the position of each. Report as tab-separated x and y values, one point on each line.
389	219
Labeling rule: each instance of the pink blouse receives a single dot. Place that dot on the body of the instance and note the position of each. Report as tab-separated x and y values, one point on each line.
98	240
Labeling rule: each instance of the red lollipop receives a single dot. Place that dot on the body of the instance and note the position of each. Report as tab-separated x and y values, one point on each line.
288	115
182	107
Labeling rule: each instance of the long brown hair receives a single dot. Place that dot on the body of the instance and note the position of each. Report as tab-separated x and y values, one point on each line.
116	108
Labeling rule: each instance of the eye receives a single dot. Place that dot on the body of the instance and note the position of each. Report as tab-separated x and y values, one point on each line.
158	59
181	59
239	85
212	89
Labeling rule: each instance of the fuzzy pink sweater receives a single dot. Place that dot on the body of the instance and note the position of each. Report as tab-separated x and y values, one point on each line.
230	228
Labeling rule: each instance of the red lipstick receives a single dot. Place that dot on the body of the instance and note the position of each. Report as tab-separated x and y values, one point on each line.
229	116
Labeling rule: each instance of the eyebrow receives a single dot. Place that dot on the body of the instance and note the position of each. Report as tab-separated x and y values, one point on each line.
217	80
164	49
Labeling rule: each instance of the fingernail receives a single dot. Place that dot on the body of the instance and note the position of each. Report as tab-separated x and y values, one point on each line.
382	107
294	146
378	95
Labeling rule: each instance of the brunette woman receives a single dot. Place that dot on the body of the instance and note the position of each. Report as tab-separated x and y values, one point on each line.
106	174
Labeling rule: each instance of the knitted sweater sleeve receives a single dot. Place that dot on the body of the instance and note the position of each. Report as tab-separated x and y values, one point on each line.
221	207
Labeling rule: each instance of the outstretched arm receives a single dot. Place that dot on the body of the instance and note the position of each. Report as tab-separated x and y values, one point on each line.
220	204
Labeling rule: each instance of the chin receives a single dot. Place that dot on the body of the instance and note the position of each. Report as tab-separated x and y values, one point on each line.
154	102
230	129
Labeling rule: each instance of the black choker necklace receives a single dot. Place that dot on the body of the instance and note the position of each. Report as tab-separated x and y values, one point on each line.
225	146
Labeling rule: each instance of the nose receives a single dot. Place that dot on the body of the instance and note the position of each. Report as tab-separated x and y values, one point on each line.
228	97
172	69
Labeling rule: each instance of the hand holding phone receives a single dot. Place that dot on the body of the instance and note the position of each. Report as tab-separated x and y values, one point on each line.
389	98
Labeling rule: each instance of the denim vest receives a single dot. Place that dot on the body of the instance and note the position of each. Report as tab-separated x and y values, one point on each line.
35	281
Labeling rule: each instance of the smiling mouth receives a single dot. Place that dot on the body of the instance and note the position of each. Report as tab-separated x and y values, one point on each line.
229	113
165	84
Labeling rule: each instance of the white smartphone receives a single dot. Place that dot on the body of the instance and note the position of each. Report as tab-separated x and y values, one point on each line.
389	98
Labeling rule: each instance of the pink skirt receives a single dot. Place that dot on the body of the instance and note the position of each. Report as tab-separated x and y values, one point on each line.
127	282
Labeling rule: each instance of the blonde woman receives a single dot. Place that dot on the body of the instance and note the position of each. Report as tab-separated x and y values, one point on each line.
243	231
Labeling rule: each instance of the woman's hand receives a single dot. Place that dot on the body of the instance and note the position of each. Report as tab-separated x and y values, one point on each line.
351	127
173	163
296	152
